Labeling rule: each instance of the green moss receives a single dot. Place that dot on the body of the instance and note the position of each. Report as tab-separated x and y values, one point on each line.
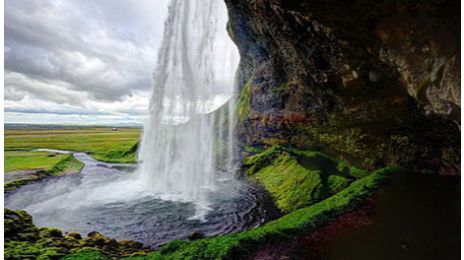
290	184
50	232
285	87
289	226
256	162
358	172
244	102
23	240
85	254
297	178
254	150
18	226
32	250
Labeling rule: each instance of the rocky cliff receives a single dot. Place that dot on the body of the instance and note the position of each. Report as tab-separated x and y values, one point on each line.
373	82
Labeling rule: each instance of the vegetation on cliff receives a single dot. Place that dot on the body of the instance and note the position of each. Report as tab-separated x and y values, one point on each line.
244	102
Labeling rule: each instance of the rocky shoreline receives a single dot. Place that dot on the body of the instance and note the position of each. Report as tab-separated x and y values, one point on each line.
23	240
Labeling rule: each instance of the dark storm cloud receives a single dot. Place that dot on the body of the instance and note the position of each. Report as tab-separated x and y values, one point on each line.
72	51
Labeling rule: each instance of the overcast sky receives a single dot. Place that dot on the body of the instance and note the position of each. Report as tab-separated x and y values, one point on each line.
80	61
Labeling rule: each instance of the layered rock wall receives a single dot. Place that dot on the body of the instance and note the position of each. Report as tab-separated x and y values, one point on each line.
374	82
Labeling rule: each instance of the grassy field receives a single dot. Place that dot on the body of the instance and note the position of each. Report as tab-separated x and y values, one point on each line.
20	160
41	164
101	143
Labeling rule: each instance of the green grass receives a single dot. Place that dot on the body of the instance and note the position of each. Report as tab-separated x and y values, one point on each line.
298	222
86	255
101	143
65	165
21	160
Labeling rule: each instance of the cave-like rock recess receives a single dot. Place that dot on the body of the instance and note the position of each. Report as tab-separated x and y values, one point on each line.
373	82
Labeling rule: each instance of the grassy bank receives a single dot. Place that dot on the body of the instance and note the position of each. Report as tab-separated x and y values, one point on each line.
62	164
103	144
23	160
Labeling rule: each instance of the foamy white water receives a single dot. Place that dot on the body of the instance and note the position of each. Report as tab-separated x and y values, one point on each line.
195	72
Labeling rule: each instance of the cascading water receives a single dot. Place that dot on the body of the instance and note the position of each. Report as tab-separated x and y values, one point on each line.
195	72
187	143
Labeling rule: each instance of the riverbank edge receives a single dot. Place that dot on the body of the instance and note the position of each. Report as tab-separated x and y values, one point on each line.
291	225
61	168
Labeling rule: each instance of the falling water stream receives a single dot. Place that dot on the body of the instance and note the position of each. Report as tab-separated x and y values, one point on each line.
177	152
184	181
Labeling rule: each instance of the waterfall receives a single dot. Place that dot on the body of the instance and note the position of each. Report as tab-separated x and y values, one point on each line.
194	76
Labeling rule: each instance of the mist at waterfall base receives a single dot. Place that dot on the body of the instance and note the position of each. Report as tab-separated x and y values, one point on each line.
184	182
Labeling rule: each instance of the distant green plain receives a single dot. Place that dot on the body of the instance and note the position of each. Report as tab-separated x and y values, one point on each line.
103	144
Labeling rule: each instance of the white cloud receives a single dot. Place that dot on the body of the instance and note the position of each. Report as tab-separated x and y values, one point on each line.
86	61
80	57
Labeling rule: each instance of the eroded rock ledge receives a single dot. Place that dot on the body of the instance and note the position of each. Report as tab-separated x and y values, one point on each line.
374	82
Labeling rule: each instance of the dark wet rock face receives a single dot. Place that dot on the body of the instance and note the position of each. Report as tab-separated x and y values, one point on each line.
375	82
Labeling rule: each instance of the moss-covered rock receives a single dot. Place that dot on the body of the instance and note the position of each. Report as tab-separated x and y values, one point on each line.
297	178
18	226
23	240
